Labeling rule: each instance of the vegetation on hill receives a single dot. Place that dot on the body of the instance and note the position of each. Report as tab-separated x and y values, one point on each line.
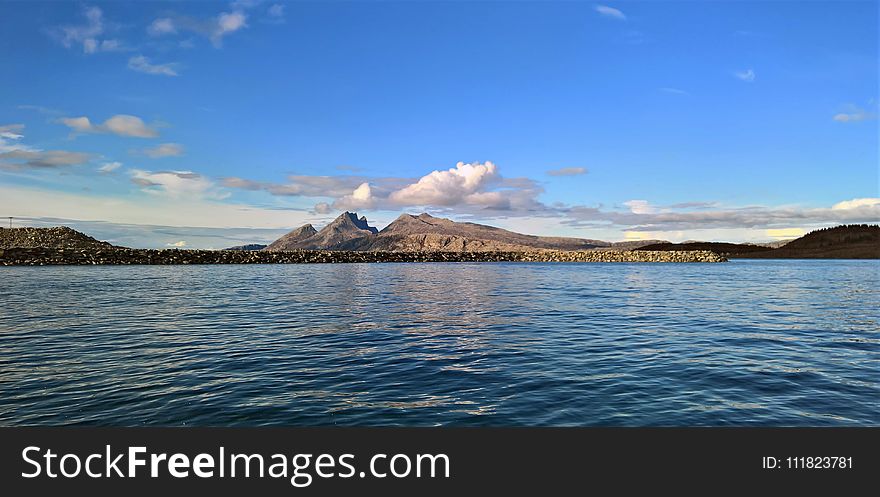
853	241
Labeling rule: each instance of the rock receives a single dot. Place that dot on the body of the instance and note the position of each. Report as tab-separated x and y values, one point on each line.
48	255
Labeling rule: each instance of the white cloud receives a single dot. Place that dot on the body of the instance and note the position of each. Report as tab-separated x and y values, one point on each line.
748	75
853	114
109	167
164	150
610	12
120	124
453	186
162	26
674	91
360	198
38	159
644	217
856	203
640	207
176	184
567	171
16	155
228	22
214	28
88	35
151	210
276	10
322	208
142	64
10	138
467	187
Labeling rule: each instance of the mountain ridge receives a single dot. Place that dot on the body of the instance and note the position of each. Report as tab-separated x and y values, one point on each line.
424	232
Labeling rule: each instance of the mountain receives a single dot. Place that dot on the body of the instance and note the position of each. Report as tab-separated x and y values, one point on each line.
409	233
855	241
292	240
426	232
342	229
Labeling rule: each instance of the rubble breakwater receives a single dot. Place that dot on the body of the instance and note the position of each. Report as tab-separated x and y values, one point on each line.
42	256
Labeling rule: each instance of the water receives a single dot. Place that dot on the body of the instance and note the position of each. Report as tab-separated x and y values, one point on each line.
775	343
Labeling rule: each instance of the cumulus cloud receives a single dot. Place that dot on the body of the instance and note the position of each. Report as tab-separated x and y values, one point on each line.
176	184
567	171
214	28
120	124
748	75
461	184
475	187
640	207
88	35
227	22
610	12
164	150
479	190
109	167
142	64
360	198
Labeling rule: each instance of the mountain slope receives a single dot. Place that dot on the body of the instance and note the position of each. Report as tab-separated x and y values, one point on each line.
342	229
446	233
291	240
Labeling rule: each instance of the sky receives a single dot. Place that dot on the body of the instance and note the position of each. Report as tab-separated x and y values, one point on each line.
211	124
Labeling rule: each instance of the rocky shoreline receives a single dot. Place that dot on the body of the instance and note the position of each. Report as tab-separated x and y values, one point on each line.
42	256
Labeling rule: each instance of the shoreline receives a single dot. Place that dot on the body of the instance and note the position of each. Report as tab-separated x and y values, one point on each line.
126	256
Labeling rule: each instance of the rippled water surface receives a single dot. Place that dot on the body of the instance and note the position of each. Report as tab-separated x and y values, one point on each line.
742	343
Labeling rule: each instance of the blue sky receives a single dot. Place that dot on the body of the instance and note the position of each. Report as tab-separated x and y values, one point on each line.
204	124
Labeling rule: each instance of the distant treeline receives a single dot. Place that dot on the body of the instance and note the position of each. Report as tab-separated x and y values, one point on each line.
848	241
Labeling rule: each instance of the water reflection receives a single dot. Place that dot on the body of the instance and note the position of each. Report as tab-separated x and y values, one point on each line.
750	342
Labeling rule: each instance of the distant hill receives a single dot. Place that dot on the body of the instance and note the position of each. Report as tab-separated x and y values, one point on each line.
635	244
855	241
55	237
422	233
249	246
726	249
